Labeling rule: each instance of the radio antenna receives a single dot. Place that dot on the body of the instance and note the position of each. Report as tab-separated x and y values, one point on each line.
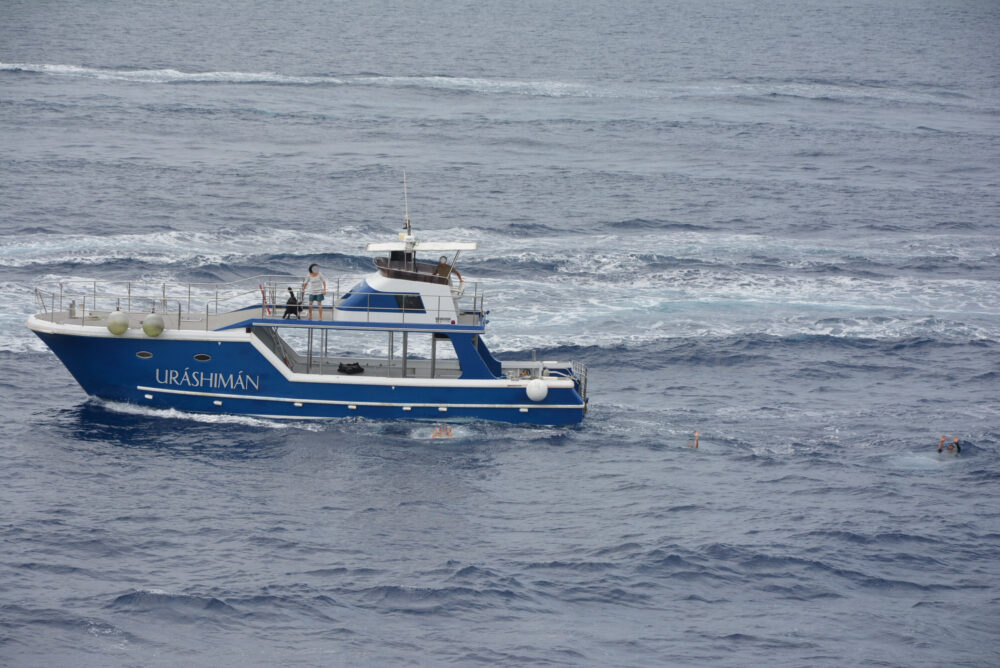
406	204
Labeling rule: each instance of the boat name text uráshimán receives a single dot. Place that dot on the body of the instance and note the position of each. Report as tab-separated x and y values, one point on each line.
213	380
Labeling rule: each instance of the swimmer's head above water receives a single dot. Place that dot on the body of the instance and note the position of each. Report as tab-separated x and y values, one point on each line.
953	446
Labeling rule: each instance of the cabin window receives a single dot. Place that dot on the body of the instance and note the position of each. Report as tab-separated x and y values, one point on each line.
410	302
142	354
202	357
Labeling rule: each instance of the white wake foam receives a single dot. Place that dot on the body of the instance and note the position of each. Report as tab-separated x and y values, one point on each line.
457	83
172	413
713	89
167	249
165	75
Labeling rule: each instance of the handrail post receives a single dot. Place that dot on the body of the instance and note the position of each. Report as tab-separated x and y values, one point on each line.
309	358
322	359
433	354
406	340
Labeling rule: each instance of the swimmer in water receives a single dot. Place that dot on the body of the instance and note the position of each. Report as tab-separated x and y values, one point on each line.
951	446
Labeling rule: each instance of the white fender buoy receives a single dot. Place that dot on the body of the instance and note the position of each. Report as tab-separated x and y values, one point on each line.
153	324
537	389
117	323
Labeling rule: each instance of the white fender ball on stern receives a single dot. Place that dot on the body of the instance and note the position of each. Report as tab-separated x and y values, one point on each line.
537	389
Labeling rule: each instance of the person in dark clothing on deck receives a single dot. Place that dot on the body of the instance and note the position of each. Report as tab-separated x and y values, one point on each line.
444	270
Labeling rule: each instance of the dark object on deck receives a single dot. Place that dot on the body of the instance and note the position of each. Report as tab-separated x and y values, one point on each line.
292	306
350	369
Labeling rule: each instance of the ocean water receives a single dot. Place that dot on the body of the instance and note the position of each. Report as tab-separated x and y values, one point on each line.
775	223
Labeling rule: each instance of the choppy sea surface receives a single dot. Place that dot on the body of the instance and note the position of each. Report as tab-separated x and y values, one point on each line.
776	223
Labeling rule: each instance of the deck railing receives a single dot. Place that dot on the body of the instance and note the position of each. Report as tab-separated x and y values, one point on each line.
194	301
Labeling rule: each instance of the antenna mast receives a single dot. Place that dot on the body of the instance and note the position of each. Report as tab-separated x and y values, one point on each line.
406	204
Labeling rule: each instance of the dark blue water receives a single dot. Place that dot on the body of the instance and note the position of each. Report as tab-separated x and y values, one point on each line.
775	223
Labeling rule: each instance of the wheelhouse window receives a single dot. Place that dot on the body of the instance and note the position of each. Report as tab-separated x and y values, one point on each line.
410	303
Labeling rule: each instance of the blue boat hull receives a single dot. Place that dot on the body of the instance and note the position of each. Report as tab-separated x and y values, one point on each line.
237	379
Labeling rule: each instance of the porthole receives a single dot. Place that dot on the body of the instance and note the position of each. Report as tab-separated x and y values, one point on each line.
143	354
202	357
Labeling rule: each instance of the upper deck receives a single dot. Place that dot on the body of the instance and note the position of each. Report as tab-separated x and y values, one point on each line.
261	301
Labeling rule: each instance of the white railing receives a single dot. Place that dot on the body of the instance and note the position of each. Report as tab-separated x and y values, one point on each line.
193	301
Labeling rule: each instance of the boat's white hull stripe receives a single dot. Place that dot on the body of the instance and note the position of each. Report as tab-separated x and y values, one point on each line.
336	402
